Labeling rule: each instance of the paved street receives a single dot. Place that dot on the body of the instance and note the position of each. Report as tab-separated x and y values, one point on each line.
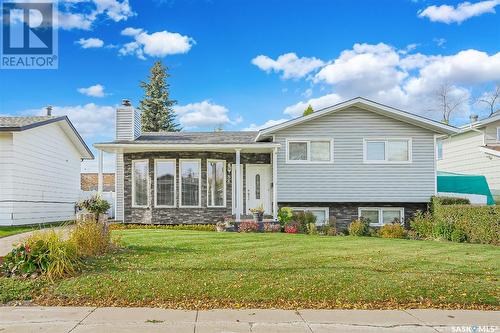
121	320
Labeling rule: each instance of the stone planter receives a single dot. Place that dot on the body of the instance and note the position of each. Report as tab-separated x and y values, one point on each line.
258	217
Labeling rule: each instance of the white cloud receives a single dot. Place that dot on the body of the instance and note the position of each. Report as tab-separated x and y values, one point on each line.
93	91
157	44
204	114
269	123
90	43
291	65
90	120
409	81
463	11
439	41
83	14
298	109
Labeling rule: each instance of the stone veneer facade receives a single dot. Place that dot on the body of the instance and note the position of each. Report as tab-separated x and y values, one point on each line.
201	215
345	212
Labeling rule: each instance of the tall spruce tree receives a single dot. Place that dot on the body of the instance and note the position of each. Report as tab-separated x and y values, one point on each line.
308	111
157	113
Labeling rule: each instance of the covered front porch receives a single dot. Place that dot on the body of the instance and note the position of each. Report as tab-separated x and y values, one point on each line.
206	183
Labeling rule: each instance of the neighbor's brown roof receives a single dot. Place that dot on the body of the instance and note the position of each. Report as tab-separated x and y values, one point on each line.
496	148
88	181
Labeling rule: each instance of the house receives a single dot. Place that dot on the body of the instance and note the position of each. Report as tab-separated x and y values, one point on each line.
39	169
354	159
474	150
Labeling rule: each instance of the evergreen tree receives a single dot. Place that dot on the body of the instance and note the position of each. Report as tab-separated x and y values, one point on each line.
308	111
157	114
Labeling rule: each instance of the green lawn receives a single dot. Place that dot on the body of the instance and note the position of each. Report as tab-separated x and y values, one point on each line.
7	231
192	269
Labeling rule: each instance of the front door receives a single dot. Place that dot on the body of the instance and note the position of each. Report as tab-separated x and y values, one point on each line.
258	187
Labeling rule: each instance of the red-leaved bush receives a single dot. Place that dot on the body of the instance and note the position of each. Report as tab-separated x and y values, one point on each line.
249	226
272	227
292	228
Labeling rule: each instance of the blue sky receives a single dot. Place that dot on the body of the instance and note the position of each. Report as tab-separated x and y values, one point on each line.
245	64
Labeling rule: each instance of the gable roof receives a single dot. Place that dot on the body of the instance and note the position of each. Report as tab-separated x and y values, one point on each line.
369	105
483	122
18	124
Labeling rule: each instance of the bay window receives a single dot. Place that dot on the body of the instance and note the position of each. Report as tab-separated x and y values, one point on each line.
140	183
165	183
387	150
190	183
216	183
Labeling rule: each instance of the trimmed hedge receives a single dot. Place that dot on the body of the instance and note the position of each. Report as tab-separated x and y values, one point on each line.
450	200
459	222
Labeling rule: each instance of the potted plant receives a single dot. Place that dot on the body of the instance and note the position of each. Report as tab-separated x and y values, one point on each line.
258	213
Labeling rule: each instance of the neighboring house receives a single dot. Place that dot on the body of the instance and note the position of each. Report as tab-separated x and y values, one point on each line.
89	181
474	150
39	169
354	159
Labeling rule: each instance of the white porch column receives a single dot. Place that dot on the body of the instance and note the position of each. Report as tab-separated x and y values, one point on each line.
275	183
100	179
238	187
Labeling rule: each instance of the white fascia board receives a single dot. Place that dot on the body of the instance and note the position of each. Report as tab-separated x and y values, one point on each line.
490	151
112	147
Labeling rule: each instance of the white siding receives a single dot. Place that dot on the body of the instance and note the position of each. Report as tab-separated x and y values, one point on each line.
348	179
46	176
6	167
128	123
461	154
490	137
119	204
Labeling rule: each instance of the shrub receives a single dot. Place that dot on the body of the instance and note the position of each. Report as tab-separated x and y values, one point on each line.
358	228
446	201
292	227
300	219
95	205
422	224
25	261
392	230
272	227
194	227
327	230
249	226
90	238
285	215
443	230
458	235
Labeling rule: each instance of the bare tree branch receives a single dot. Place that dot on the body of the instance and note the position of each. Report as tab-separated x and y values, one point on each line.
491	99
447	103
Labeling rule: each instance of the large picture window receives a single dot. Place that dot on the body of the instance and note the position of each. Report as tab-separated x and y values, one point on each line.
140	188
190	179
378	216
165	183
387	150
310	151
216	183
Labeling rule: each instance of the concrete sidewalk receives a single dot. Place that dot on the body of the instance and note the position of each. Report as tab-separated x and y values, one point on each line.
121	320
7	243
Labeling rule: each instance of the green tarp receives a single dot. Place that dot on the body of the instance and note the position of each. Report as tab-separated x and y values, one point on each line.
467	184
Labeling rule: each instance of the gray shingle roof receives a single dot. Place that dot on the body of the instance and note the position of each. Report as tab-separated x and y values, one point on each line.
222	137
20	123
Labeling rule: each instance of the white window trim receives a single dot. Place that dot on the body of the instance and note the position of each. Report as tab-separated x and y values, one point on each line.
175	182
133	184
325	209
498	134
437	149
225	177
308	142
380	214
387	139
180	182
